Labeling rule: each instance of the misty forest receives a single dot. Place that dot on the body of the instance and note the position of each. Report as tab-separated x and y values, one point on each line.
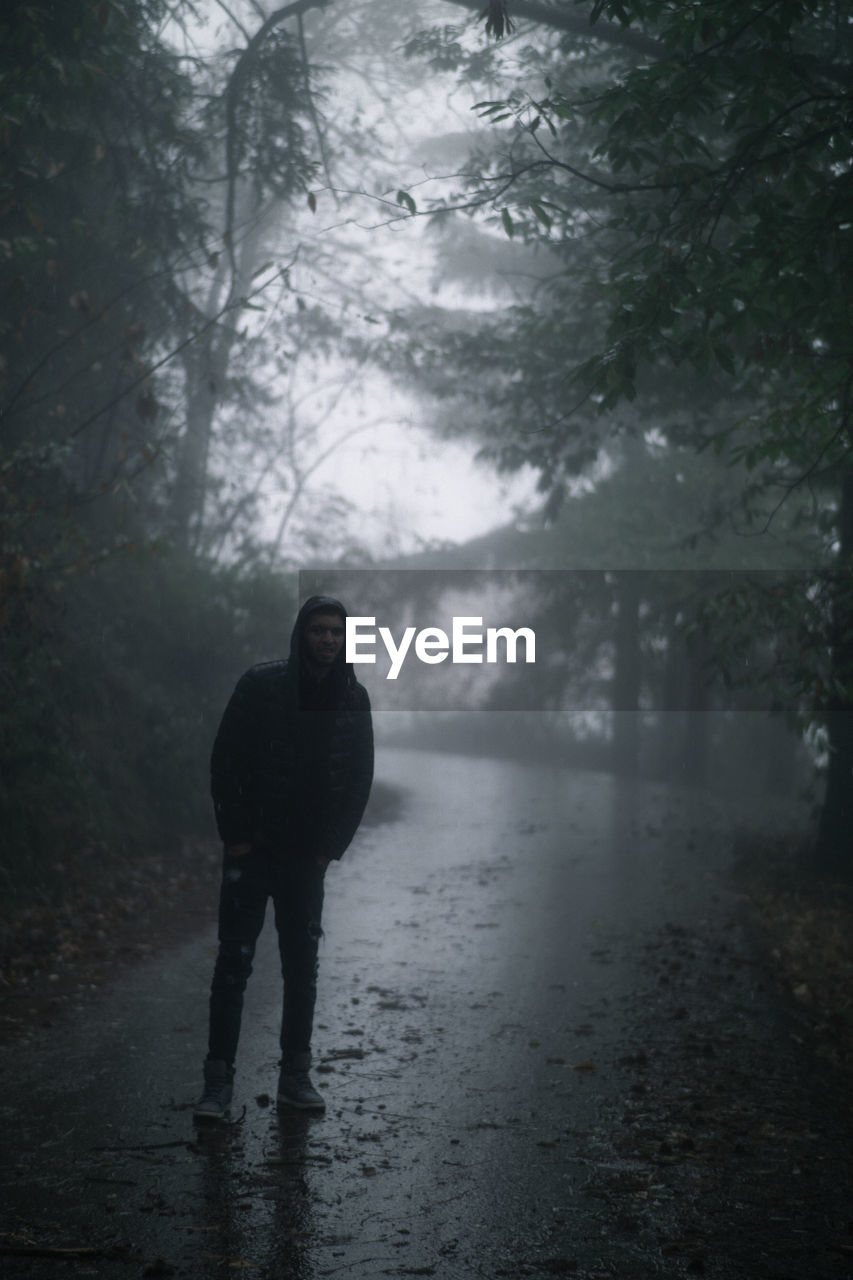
534	312
268	272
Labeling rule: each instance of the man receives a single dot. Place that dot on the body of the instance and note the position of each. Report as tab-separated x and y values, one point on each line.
291	771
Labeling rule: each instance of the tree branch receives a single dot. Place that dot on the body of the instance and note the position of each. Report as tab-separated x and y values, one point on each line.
230	305
576	24
232	93
315	118
548	15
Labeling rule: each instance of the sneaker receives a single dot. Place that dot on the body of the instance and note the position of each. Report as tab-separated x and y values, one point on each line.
215	1101
296	1090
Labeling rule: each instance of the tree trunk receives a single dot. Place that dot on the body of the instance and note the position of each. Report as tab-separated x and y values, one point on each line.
206	364
835	832
673	715
697	722
626	679
201	382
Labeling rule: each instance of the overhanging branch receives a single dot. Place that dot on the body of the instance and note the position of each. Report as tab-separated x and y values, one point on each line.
575	24
232	94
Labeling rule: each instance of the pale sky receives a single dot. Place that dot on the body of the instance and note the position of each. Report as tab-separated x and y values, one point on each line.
409	487
423	489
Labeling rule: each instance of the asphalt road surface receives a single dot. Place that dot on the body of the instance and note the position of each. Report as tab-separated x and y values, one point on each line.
523	977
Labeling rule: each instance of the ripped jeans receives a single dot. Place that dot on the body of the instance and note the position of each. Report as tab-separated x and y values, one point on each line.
296	887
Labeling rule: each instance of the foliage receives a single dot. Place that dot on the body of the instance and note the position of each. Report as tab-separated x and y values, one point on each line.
676	208
689	197
116	651
95	165
108	724
734	161
694	212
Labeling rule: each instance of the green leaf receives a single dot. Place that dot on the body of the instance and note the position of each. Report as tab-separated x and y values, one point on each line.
406	202
509	225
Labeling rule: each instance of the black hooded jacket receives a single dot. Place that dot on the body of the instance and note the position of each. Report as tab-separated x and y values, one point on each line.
292	763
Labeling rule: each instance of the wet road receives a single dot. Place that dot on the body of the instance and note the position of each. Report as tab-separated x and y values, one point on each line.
479	985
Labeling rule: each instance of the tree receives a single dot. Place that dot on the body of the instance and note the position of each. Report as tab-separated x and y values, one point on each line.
691	189
95	205
299	111
151	173
112	225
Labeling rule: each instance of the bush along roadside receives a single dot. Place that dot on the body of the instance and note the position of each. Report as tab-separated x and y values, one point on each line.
804	927
114	682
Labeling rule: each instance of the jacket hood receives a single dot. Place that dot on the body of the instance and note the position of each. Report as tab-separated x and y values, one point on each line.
342	669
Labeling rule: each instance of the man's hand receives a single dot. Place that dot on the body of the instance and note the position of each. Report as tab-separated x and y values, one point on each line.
237	850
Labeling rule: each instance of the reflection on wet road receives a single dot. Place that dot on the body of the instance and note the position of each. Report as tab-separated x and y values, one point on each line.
476	985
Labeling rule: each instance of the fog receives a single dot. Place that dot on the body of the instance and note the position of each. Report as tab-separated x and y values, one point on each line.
315	298
523	331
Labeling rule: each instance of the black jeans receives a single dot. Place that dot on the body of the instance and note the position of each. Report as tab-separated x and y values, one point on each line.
296	887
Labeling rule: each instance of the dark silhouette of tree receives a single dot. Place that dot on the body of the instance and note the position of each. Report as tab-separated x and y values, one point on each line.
690	189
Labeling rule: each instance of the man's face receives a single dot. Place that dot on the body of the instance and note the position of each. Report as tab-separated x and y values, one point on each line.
323	639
